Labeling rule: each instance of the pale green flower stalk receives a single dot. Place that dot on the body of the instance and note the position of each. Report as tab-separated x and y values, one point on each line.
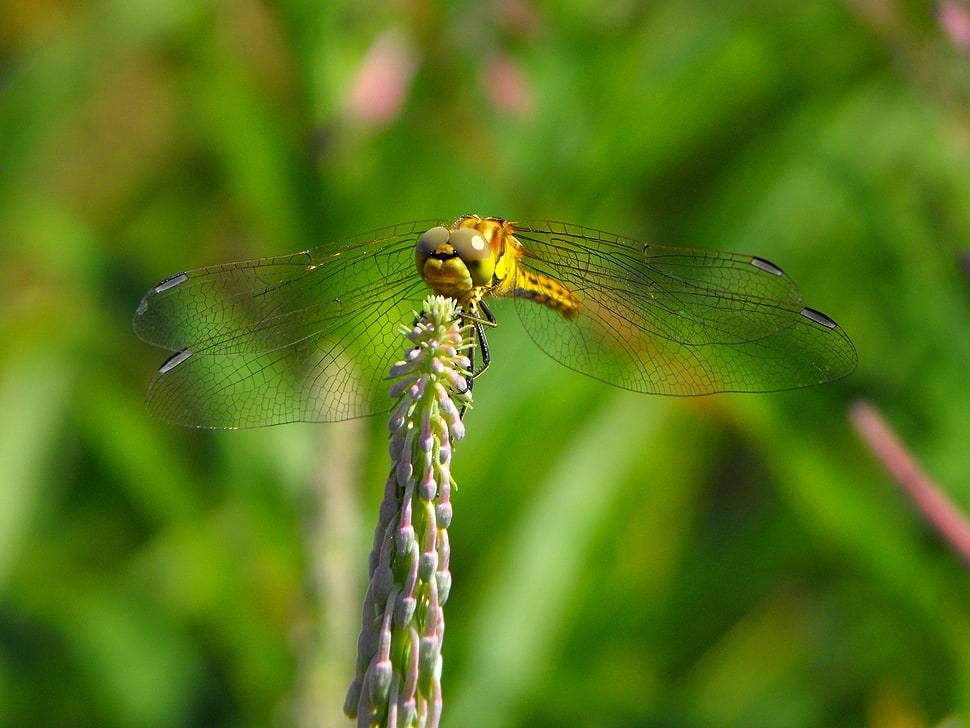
398	681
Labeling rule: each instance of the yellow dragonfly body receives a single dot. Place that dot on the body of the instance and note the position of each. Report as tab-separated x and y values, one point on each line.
309	336
478	257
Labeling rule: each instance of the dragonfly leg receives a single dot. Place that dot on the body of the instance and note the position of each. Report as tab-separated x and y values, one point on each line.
481	342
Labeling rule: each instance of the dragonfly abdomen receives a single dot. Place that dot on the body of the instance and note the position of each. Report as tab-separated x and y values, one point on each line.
546	291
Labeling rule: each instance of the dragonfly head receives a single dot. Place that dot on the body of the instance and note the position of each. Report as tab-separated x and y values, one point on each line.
454	262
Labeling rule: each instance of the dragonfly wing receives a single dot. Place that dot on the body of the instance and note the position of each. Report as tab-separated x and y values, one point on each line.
677	321
305	337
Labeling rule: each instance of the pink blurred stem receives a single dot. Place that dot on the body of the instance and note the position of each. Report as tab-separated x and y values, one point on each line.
901	465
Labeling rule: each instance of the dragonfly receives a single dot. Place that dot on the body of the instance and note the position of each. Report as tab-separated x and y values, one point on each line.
309	337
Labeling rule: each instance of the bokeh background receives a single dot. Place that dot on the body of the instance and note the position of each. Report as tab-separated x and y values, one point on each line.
618	559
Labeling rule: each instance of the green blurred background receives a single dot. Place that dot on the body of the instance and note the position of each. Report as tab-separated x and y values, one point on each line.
618	559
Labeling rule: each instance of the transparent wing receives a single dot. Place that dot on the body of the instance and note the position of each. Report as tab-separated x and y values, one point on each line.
305	337
677	321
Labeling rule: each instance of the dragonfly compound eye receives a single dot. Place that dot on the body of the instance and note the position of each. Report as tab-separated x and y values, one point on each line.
472	247
429	242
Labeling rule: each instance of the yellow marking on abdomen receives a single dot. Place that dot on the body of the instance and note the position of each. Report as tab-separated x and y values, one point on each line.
546	291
